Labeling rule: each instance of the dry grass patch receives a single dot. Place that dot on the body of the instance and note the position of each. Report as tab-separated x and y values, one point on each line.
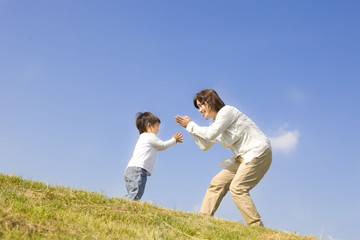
34	210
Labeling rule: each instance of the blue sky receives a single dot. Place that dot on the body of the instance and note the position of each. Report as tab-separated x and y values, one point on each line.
73	74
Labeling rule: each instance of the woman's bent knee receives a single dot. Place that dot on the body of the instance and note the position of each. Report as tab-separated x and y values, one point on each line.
236	190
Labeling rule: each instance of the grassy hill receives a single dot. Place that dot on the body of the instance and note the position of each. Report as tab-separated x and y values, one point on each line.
35	210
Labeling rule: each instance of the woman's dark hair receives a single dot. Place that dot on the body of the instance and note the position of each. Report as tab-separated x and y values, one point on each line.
210	97
142	120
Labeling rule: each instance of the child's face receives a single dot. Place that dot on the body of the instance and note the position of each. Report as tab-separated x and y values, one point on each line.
153	128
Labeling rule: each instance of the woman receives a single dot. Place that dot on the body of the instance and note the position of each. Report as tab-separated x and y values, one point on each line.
251	149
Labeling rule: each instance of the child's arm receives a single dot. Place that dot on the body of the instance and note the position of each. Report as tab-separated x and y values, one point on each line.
179	137
160	145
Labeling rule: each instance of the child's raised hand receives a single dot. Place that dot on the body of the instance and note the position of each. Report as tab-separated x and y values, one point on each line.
178	137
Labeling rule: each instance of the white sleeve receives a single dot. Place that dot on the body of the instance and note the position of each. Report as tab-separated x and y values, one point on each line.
160	145
204	144
224	119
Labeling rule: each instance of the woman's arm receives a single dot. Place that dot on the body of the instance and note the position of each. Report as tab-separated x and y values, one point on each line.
224	119
204	144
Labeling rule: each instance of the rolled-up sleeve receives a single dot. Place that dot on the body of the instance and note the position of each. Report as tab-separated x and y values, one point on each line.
203	143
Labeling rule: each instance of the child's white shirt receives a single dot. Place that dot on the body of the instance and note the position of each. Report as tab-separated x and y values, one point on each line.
144	155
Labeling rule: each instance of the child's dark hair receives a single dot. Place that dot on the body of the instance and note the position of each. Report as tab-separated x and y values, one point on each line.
142	120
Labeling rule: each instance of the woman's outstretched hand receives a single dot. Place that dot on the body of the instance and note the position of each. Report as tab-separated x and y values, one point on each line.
182	121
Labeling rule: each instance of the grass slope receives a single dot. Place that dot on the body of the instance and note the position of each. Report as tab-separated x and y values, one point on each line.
35	210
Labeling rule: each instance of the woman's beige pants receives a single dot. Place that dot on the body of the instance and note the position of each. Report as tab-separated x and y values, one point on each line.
239	178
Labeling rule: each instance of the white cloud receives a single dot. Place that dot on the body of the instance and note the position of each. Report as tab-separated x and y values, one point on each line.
286	141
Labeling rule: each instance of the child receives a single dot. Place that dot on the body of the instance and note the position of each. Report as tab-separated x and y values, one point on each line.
142	162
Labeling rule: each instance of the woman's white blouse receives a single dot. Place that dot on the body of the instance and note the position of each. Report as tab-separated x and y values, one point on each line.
233	130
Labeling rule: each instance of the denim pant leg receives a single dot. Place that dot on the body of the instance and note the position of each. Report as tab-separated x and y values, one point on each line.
135	181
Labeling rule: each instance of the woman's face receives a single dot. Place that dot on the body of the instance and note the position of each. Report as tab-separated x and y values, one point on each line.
206	111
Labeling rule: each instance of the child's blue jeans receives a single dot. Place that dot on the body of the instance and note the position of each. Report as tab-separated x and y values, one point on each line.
135	181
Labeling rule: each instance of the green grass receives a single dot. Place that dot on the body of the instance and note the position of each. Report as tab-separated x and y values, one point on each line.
35	210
